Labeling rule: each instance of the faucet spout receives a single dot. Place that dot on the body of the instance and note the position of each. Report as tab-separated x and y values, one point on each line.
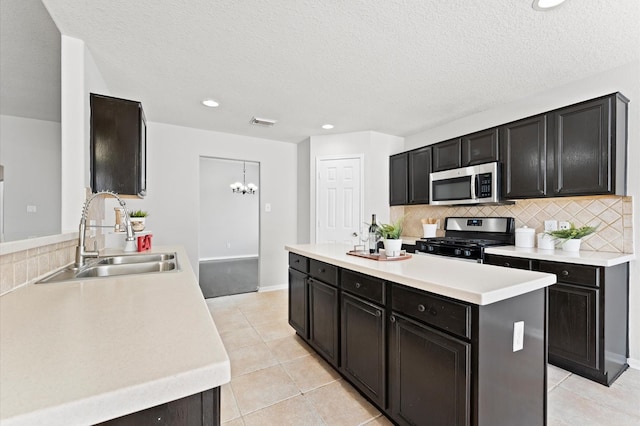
81	251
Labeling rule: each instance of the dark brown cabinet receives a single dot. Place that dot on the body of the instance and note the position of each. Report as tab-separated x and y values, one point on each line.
201	409
480	147
429	375
363	346
323	320
588	147
447	155
398	179
587	316
523	152
298	296
419	170
118	146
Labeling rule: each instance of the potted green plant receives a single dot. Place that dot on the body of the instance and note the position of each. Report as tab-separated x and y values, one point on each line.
138	218
390	234
570	238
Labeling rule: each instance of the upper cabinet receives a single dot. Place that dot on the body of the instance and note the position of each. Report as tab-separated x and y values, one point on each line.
118	146
398	179
588	151
419	170
523	152
447	155
480	147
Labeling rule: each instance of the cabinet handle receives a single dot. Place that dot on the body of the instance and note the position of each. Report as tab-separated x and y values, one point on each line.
358	285
296	261
378	313
565	273
421	308
507	264
392	318
321	270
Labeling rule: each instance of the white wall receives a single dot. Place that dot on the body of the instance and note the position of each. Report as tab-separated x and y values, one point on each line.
30	154
624	79
173	159
79	77
376	148
304	193
228	221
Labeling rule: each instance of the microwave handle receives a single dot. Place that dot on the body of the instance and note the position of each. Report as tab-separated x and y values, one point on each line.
474	187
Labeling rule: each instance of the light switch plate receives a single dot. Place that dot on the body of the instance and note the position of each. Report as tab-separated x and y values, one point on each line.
550	225
518	336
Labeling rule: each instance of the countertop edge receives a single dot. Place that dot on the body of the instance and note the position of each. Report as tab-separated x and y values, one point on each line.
592	258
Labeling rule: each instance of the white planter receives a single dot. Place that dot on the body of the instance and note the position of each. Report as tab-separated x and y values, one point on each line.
571	245
137	223
392	247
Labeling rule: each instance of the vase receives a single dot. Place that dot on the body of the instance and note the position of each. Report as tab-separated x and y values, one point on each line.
137	223
392	247
571	245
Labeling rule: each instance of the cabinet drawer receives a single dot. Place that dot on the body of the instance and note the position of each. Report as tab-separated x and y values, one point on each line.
446	314
363	285
573	274
324	272
508	262
298	262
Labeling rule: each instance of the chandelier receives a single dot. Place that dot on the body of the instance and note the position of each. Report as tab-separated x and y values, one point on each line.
243	188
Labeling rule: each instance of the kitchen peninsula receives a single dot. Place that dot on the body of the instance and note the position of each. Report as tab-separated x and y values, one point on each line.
122	349
426	339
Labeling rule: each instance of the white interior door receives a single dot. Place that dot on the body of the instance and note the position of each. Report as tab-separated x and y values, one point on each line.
339	200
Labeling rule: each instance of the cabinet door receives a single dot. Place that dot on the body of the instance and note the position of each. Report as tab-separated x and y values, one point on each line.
507	261
582	147
573	332
323	319
298	301
419	169
398	179
447	155
523	152
363	346
480	147
117	146
429	375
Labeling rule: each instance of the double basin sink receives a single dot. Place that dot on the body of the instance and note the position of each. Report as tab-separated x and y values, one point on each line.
109	266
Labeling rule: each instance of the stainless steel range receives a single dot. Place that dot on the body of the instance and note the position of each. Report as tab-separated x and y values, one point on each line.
465	238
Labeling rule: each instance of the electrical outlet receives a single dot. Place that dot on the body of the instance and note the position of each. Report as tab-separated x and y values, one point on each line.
550	225
31	208
518	336
563	225
267	207
228	245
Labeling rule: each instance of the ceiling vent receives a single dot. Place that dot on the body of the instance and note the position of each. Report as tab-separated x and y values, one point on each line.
265	122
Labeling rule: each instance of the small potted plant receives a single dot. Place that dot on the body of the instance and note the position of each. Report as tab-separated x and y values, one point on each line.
137	218
390	234
570	238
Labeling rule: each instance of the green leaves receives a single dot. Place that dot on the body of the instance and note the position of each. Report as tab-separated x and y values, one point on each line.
138	213
391	231
573	232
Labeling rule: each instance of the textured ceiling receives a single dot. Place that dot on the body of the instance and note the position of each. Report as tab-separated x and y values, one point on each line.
393	66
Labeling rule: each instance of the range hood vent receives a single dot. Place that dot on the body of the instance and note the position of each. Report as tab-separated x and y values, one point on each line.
265	122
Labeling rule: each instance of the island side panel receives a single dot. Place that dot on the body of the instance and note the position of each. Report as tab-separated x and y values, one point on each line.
511	387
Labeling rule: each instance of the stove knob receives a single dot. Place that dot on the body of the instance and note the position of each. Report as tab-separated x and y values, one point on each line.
457	252
467	253
430	248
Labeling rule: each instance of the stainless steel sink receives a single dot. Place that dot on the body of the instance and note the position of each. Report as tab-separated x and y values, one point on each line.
127	264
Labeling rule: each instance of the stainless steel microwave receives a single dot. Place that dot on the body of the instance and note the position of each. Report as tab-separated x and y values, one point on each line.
479	184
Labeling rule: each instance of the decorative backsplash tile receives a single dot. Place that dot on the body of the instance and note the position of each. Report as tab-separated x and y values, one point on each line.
612	214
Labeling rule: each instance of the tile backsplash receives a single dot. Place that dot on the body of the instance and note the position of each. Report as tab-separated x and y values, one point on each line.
612	214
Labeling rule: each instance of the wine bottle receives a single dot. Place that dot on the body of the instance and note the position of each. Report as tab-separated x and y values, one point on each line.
373	235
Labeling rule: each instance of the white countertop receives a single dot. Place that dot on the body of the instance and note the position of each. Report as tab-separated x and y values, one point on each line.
88	351
466	281
594	258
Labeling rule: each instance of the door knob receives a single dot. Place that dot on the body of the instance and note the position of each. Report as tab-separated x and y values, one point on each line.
355	234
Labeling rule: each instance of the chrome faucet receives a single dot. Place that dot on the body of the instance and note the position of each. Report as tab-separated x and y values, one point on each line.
81	251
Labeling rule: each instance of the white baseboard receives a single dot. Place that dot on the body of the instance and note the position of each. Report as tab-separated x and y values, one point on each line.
634	363
273	288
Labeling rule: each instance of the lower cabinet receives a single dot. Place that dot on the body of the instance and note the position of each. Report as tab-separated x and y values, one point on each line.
363	346
323	319
195	410
298	295
429	375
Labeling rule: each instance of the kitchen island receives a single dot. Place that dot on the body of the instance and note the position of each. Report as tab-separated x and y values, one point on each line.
428	340
94	350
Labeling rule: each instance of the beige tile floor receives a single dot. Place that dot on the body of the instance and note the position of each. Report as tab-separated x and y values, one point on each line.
277	380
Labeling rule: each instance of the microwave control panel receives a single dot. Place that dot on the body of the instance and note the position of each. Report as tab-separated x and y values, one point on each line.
484	185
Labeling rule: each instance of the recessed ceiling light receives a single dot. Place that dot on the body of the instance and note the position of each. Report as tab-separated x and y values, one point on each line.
327	126
210	103
543	5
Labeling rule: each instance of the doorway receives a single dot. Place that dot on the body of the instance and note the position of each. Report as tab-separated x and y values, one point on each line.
339	202
229	226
